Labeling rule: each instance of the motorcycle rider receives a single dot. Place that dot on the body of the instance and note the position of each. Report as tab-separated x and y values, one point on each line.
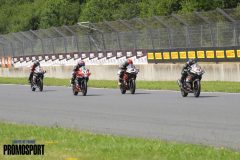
80	64
33	67
123	68
185	68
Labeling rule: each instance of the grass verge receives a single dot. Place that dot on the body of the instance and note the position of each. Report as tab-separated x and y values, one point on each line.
69	144
209	86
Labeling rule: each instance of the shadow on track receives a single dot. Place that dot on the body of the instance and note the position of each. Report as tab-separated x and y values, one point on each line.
142	93
89	95
139	93
207	96
48	90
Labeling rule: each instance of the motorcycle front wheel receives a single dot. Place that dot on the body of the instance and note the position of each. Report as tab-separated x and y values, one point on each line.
84	87
40	84
75	93
184	94
197	88
33	88
122	89
132	86
32	84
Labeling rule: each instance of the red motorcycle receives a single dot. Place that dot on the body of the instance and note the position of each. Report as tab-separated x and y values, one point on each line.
81	80
129	80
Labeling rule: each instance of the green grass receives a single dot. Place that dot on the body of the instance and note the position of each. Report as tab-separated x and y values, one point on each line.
63	143
211	86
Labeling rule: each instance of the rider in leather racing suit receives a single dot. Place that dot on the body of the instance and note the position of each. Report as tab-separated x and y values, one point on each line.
33	67
185	69
76	68
123	68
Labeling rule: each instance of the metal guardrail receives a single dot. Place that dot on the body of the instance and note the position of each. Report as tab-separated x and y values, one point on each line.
218	28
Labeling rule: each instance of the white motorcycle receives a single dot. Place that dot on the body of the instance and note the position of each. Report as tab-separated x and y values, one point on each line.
192	83
129	79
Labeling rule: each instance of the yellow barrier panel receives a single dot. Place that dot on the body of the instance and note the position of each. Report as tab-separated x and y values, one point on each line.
210	54
174	55
200	54
166	55
220	54
158	55
230	53
191	54
238	53
183	55
150	56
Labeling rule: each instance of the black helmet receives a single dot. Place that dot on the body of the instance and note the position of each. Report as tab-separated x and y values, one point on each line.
81	63
192	61
36	63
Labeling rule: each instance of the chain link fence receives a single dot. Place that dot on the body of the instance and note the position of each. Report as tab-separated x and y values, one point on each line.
218	28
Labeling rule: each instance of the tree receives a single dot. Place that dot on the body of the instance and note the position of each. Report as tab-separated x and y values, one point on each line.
155	7
99	10
57	13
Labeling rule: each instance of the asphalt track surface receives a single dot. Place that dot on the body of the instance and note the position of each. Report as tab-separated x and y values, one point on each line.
211	119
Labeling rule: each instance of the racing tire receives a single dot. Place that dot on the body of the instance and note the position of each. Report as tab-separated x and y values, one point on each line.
197	88
84	87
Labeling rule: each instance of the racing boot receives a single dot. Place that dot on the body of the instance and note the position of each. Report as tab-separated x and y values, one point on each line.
71	81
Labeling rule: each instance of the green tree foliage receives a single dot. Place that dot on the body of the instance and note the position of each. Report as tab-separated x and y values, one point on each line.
204	5
20	15
100	10
156	7
57	13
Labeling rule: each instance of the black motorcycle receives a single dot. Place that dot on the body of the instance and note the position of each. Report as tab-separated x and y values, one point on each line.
192	83
37	80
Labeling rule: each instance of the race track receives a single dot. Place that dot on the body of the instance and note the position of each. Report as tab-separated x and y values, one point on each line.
211	119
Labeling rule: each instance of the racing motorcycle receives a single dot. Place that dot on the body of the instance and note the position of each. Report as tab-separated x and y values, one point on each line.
129	79
80	82
192	83
37	80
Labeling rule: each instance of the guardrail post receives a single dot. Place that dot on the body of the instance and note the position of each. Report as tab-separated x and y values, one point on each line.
30	40
74	34
35	34
64	38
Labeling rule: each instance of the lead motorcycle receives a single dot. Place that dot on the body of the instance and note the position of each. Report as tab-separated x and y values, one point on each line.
37	80
192	83
129	79
81	80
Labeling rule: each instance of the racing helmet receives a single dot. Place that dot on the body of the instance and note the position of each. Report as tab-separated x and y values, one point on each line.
192	61
36	63
130	61
81	63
